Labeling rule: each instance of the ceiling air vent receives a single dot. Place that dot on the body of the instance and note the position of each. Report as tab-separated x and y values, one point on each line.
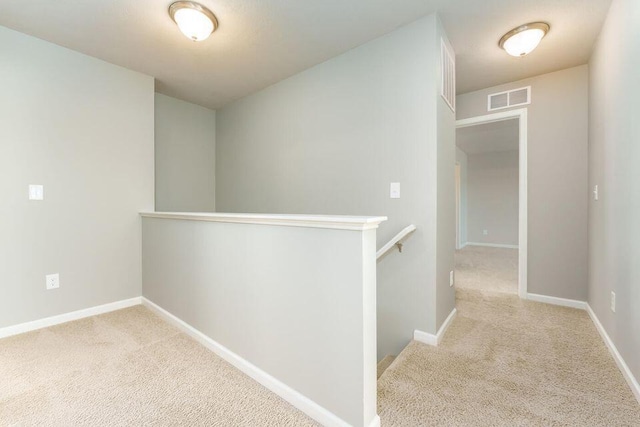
448	86
510	98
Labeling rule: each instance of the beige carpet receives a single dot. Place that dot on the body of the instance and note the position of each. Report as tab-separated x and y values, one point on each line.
128	368
384	364
508	362
487	269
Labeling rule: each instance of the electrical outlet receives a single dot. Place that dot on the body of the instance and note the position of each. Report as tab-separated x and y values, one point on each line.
485	232
451	278
613	302
36	192
53	281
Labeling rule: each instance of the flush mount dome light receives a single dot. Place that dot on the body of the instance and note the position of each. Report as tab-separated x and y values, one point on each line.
524	39
194	20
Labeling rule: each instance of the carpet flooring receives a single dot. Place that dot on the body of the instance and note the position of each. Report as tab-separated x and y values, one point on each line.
384	364
128	368
508	362
503	362
487	269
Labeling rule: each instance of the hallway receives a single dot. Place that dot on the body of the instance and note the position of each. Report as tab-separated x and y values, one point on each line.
487	269
507	362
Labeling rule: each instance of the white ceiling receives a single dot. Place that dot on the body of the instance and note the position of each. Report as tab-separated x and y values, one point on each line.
474	31
261	42
488	138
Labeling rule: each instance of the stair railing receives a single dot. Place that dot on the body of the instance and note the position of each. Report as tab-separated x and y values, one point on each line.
396	241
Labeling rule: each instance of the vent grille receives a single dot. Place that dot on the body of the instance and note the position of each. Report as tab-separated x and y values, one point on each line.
510	98
519	96
498	101
448	85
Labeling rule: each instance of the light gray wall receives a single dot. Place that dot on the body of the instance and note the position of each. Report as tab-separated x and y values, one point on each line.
446	193
301	310
461	158
331	139
614	156
489	137
493	197
185	156
83	129
557	184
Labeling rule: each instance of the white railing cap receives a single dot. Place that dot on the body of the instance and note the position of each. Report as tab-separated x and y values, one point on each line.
338	222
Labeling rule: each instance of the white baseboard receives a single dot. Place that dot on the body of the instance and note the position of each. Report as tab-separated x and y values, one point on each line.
303	403
582	305
67	317
431	339
624	368
425	337
491	245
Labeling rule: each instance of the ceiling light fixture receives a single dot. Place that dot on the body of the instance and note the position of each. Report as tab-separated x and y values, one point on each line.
524	39
194	20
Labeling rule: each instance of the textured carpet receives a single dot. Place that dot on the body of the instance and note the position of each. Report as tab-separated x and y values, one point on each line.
384	364
508	362
487	269
128	368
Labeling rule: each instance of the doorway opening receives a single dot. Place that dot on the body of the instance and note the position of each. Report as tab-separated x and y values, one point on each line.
491	203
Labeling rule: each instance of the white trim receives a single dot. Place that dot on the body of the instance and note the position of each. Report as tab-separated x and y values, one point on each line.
67	317
492	245
582	305
448	79
397	239
521	115
445	325
458	191
375	422
624	368
303	403
427	338
309	221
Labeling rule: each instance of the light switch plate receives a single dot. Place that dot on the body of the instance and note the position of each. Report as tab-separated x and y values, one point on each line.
596	195
36	192
394	190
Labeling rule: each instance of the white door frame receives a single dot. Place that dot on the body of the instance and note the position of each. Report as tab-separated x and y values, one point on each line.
458	207
521	115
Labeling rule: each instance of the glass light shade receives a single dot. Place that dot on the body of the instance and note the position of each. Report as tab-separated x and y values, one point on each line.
194	24
523	43
524	39
194	20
